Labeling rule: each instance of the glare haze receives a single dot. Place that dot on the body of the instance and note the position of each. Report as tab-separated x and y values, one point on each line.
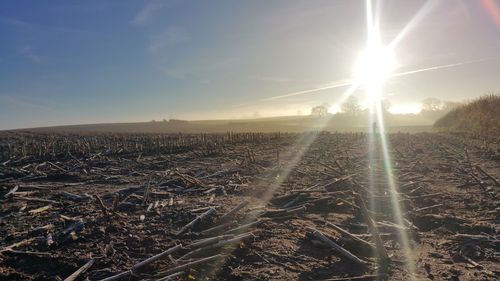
65	62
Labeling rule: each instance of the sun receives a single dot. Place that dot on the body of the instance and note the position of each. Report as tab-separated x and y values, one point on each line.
374	66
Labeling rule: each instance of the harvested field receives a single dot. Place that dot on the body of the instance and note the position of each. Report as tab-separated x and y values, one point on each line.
316	206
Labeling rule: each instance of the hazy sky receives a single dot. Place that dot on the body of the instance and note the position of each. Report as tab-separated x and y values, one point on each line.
67	62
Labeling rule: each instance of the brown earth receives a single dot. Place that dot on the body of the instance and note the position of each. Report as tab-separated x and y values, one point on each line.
52	221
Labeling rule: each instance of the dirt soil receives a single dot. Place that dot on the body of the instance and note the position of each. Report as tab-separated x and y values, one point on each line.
433	201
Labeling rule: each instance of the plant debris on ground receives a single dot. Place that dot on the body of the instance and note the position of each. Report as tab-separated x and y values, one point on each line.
313	206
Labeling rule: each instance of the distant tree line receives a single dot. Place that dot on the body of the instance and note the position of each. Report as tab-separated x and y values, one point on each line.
178	121
351	107
435	104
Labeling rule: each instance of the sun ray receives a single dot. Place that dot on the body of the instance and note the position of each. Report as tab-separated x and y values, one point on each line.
331	85
492	9
301	146
422	12
443	66
376	67
348	82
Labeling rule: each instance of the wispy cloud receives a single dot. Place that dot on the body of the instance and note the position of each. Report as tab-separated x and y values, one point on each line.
14	22
169	37
29	52
28	34
274	79
175	73
10	100
148	12
200	69
20	25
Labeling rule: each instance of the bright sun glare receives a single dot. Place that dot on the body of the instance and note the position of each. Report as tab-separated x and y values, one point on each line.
373	67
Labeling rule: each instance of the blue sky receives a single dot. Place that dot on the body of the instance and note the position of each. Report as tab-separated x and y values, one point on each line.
70	62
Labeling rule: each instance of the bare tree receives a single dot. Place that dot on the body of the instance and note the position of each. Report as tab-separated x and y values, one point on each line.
351	106
320	110
432	104
386	105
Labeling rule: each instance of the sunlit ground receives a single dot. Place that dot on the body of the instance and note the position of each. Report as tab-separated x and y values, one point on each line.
376	64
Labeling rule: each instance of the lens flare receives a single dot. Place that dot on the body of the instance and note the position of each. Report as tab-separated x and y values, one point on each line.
374	66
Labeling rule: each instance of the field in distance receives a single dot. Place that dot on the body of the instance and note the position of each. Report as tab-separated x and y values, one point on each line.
332	123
